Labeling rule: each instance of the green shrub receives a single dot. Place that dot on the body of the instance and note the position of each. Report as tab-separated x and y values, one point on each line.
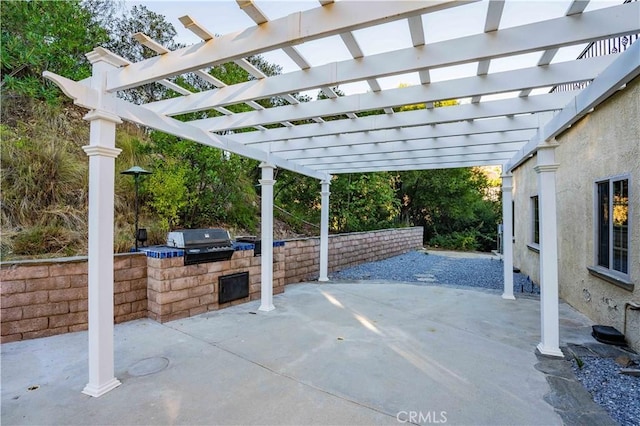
464	240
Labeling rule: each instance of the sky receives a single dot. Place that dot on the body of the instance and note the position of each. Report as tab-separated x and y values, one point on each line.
225	16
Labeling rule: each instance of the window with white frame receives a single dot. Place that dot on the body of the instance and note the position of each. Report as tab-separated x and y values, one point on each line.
612	225
535	220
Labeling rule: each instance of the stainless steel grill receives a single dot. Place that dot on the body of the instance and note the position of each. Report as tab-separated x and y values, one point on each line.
202	245
251	239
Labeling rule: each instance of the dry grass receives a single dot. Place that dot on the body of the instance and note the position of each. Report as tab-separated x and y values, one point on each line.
43	203
45	180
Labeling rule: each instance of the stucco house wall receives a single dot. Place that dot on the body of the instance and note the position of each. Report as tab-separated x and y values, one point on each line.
603	144
526	255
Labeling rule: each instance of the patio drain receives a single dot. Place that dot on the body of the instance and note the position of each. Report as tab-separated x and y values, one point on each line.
148	366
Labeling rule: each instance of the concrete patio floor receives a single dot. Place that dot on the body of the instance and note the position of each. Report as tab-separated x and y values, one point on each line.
337	353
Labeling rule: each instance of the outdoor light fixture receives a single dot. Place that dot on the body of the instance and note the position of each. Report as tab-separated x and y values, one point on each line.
136	171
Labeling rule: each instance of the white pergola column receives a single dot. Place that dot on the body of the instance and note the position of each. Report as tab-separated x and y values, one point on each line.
266	287
102	155
324	231
507	232
550	326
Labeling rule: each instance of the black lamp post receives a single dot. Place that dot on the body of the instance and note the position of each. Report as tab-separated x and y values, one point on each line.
136	171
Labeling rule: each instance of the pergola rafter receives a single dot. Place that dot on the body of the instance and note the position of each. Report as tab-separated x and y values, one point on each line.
408	119
314	139
288	31
405	165
503	82
306	147
407	149
510	41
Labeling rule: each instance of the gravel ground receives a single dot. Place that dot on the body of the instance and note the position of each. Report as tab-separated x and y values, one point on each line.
433	269
619	394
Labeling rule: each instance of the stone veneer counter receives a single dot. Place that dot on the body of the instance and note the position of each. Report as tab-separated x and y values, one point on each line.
177	291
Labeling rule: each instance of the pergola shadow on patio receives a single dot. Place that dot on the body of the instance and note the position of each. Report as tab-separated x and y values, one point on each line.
330	354
510	115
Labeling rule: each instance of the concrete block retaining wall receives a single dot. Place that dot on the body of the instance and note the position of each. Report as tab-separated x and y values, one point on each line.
42	298
46	297
347	250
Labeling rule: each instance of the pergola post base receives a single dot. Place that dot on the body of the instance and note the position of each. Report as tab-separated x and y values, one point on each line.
554	352
97	391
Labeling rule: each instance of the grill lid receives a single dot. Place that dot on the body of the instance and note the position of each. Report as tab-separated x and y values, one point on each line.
213	237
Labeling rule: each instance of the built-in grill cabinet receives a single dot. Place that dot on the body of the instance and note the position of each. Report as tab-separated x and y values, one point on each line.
233	287
202	245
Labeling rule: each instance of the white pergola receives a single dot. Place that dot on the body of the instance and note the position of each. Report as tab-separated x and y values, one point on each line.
487	130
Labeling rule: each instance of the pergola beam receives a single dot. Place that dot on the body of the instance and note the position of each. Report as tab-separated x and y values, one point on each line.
576	7
550	34
492	22
140	115
624	69
356	52
467	128
414	166
243	63
513	106
415	154
416	30
254	12
88	98
372	165
290	30
398	145
423	148
507	81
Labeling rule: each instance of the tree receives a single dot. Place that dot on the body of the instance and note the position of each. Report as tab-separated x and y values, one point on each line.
363	202
359	201
154	25
43	35
197	186
103	12
456	207
452	206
